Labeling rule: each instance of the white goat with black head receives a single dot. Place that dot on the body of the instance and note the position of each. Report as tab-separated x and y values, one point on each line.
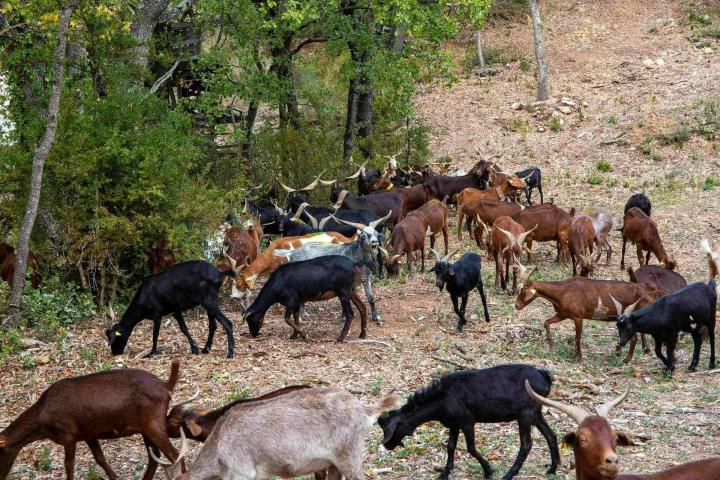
363	251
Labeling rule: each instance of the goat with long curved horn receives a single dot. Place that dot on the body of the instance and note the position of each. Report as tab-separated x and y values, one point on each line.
313	221
576	413
172	469
360	171
191	399
359	226
340	199
628	311
447	257
377	222
300	211
438	258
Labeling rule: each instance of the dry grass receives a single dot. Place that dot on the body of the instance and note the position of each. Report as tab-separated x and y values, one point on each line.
596	53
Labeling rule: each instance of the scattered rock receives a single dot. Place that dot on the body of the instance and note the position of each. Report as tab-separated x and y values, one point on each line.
707	50
660	62
517	106
565	110
568	102
648	63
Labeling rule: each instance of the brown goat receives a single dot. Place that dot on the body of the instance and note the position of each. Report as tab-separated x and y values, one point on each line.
242	244
657	278
506	244
100	406
581	237
407	237
640	229
7	265
412	197
434	215
552	223
594	442
159	257
580	298
488	211
468	200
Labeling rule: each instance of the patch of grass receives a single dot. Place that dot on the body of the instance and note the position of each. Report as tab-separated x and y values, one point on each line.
604	166
711	182
612	182
595	179
646	146
697	17
612	119
502	56
525	65
43	462
377	385
555	125
519	125
710	32
656	157
238	393
678	137
653	30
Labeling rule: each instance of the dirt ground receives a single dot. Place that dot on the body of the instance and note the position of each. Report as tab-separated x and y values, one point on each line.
604	56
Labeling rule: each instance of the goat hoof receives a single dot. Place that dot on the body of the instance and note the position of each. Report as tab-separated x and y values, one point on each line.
231	355
692	369
194	351
150	354
206	350
363	335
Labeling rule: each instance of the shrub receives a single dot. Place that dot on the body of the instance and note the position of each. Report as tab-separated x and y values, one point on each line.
604	166
595	179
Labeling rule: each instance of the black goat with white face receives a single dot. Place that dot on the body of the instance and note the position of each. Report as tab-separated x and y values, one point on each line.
460	400
532	177
460	278
691	309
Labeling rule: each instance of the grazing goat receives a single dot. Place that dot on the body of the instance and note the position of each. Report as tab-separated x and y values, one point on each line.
379	204
440	186
159	257
690	309
321	428
506	245
581	237
639	200
101	406
642	231
602	223
713	259
582	298
552	223
267	261
469	199
197	424
179	288
412	198
460	278
269	217
242	244
7	265
594	440
407	237
532	177
460	400
363	252
316	279
657	278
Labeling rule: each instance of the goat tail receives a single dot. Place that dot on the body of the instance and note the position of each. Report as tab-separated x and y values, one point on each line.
174	375
631	273
388	403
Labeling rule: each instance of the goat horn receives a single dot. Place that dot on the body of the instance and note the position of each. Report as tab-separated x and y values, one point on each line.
233	262
521	238
312	185
245	206
300	211
576	413
447	257
438	258
168	465
286	188
604	409
341	199
377	222
277	207
524	179
324	221
328	182
357	174
313	220
618	305
511	238
359	226
384	252
191	399
629	310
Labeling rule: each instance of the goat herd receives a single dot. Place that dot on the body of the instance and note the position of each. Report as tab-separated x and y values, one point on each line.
321	253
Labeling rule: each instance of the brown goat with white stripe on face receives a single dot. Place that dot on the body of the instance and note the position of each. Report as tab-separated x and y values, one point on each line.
292	435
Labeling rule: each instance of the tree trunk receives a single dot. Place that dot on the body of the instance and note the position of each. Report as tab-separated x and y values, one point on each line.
479	47
147	15
351	114
249	126
365	108
41	153
543	87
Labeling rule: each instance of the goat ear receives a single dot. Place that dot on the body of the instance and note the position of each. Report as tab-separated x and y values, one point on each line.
451	271
570	439
624	440
193	427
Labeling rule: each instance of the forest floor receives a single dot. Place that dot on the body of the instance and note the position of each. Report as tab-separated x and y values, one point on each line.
637	73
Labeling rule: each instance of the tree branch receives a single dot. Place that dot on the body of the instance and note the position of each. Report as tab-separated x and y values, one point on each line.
306	42
158	83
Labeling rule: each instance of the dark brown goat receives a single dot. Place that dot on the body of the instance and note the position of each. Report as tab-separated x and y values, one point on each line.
407	237
100	406
581	238
379	204
412	197
7	265
657	278
640	229
582	298
160	257
552	223
441	186
506	245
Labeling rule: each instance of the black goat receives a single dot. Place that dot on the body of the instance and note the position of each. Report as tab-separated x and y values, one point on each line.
322	216
533	179
379	203
691	309
290	226
460	277
316	279
269	217
639	200
460	400
179	288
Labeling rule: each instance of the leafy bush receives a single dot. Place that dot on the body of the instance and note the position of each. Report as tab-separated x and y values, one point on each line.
595	179
56	303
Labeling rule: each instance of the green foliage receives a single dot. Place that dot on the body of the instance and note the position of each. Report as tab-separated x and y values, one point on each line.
711	182
612	119
604	166
555	124
44	460
678	137
595	179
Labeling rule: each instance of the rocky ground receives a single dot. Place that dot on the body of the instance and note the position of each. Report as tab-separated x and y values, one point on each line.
631	75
